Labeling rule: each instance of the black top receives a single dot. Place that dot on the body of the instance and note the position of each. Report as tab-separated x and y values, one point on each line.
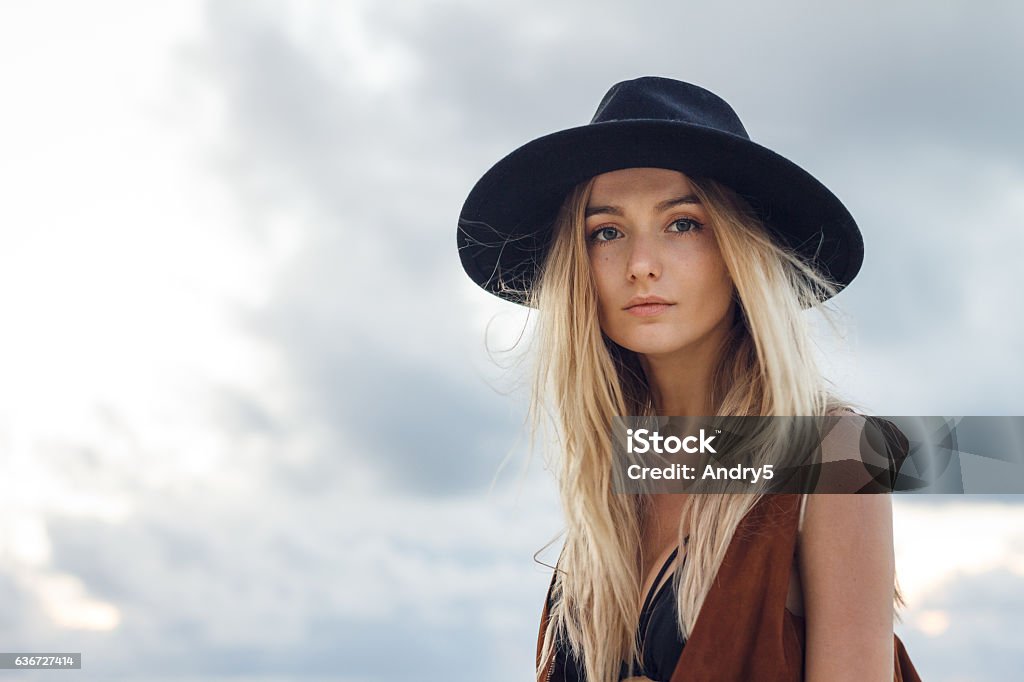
657	634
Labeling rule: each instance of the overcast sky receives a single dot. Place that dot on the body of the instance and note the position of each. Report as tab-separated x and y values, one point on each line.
248	421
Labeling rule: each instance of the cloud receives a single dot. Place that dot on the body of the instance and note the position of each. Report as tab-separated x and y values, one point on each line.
371	344
978	637
317	585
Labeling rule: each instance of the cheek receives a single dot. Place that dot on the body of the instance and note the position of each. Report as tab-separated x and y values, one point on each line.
717	285
698	270
704	282
715	275
602	269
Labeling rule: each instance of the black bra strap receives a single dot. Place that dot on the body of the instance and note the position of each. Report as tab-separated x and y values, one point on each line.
661	574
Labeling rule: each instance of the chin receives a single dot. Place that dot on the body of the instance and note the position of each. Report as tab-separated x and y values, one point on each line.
646	344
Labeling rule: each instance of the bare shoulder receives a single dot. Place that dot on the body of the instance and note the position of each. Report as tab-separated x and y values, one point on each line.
843	439
831	521
853	454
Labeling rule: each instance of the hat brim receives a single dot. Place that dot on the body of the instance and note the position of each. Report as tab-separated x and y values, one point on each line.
506	221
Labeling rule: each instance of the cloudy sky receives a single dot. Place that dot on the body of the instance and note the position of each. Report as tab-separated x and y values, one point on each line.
249	425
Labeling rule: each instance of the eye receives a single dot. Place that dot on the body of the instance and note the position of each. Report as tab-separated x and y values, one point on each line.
595	236
688	224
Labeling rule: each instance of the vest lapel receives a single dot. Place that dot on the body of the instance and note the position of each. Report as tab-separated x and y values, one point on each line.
741	632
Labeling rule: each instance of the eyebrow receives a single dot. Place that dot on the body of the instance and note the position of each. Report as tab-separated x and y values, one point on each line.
663	206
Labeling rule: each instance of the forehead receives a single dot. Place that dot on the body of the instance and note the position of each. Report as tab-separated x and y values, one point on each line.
638	184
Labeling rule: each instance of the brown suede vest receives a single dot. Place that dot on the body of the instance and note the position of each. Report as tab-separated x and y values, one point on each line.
744	631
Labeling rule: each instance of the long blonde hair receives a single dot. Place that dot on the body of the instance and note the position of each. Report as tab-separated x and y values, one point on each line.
766	368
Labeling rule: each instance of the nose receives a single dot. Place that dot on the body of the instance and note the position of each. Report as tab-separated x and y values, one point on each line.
644	259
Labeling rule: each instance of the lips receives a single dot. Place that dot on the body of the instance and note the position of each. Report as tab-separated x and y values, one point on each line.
648	309
645	300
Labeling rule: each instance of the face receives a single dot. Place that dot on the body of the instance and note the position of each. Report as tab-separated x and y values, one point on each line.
648	236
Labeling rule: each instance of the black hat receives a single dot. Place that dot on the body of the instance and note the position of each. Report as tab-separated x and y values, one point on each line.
651	122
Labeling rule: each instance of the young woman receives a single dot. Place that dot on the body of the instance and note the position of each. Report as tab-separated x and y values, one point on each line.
671	260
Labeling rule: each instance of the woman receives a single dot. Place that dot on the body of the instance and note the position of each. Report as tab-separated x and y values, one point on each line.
671	260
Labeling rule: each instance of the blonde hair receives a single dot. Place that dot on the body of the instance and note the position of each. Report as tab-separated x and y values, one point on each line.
766	368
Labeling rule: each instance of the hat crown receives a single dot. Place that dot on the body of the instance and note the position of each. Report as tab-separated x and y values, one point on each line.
665	99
